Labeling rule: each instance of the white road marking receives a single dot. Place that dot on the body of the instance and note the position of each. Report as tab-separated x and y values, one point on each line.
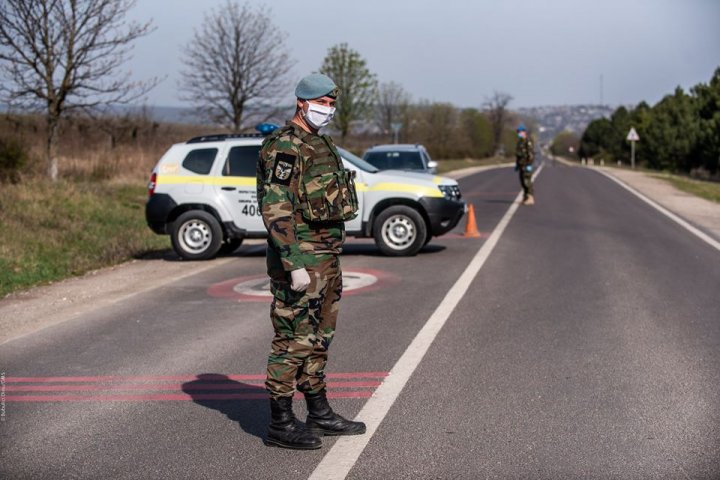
340	459
695	231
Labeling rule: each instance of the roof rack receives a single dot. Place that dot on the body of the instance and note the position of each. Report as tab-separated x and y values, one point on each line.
219	137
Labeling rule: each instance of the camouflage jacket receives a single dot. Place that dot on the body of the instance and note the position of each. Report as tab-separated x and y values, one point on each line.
524	152
304	195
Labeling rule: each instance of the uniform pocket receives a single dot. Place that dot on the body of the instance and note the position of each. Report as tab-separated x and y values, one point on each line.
330	197
349	197
316	204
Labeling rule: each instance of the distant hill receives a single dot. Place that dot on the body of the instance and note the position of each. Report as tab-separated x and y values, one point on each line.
555	119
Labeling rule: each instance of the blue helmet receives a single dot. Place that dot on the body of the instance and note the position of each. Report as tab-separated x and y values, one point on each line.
521	127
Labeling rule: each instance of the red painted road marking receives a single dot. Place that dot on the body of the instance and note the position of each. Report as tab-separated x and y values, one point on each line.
165	397
168	386
204	377
92	388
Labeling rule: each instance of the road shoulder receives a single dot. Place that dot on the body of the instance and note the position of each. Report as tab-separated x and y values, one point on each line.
699	212
28	311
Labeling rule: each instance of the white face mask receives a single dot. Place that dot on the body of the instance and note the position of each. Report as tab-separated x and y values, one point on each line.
318	116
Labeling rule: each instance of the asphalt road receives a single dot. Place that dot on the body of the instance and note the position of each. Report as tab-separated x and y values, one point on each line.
588	346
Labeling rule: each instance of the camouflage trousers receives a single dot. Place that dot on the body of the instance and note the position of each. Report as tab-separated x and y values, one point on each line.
526	182
304	324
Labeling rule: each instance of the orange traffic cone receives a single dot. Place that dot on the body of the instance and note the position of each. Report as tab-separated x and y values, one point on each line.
471	230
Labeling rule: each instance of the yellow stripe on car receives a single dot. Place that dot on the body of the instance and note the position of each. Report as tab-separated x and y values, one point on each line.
403	187
185	179
250	182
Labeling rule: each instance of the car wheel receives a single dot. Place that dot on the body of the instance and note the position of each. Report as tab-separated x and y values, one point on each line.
196	235
399	231
229	246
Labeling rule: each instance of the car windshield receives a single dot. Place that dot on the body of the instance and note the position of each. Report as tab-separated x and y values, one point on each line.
386	160
357	161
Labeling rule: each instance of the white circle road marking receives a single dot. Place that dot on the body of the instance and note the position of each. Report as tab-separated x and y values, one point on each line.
257	288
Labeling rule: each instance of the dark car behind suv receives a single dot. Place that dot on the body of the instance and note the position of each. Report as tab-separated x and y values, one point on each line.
400	157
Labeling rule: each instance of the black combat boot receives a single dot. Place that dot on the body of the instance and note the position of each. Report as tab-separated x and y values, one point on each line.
286	431
322	420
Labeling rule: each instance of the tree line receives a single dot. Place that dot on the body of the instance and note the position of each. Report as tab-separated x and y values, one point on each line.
65	57
680	133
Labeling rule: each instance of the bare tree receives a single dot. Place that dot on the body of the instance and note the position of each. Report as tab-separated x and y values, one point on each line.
437	128
496	107
64	55
236	59
392	104
358	86
122	125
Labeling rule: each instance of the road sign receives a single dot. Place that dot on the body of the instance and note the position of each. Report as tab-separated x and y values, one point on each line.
633	135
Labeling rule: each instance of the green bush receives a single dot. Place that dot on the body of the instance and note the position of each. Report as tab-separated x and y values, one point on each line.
565	144
13	157
678	134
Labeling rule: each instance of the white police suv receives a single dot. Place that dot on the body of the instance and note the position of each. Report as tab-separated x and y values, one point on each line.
203	194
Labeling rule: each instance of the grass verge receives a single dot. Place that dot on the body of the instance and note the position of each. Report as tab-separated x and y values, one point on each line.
50	231
445	166
701	188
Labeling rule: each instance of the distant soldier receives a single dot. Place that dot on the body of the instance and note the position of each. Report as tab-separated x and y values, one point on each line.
305	196
525	155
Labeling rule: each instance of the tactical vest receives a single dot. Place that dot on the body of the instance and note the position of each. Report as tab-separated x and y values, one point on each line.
328	191
523	151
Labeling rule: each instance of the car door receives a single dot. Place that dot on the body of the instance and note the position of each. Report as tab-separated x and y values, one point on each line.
237	187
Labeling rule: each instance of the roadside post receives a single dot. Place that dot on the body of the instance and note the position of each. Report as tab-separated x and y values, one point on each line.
632	137
396	126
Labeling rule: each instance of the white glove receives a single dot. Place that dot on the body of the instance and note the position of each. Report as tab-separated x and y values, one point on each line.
299	280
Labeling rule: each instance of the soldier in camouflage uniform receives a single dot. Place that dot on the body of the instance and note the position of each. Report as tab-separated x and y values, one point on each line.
305	196
525	155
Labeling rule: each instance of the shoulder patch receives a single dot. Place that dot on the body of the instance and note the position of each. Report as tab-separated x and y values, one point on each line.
282	170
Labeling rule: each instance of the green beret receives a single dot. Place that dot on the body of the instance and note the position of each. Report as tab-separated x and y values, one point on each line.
315	86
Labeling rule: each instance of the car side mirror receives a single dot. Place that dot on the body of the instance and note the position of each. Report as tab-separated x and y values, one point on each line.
432	164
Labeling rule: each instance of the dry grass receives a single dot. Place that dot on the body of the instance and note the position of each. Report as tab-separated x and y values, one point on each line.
49	231
708	190
122	149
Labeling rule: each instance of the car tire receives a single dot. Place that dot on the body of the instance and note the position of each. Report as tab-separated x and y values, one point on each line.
229	246
196	235
399	231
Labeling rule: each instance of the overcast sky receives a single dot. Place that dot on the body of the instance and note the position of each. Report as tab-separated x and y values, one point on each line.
542	52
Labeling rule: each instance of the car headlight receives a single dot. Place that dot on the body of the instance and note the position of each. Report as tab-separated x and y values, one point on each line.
451	192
